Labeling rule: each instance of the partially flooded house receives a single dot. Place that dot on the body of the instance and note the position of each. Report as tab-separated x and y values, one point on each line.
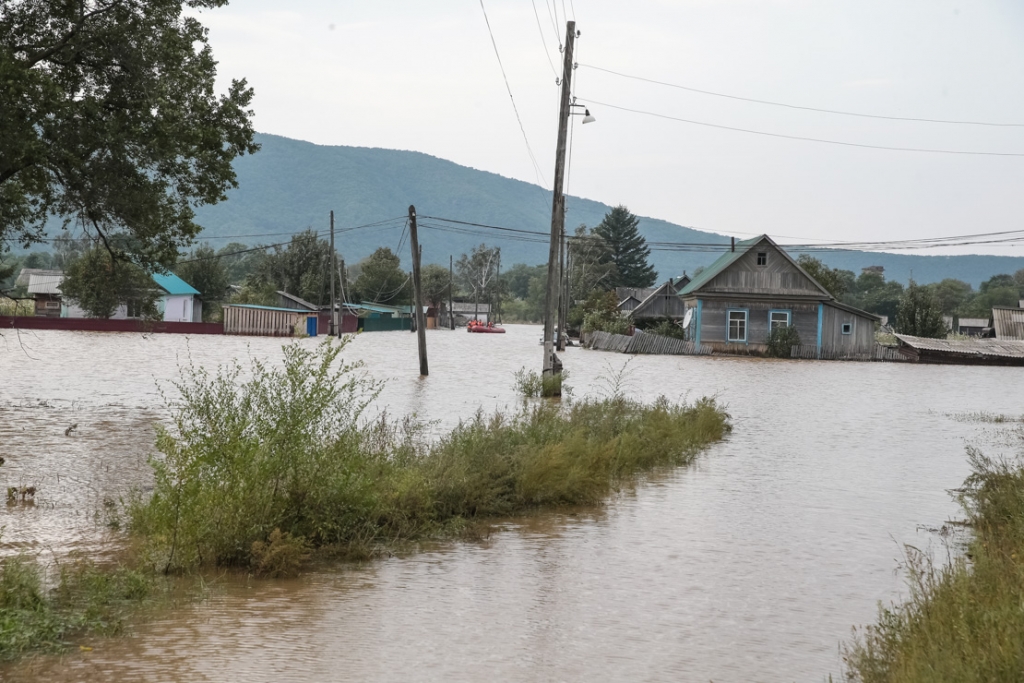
735	302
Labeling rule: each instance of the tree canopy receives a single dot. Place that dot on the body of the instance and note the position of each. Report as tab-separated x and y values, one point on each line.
207	273
836	281
382	280
110	120
627	248
920	314
302	268
99	285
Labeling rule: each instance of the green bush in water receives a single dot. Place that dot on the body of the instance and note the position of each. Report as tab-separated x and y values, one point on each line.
262	469
781	340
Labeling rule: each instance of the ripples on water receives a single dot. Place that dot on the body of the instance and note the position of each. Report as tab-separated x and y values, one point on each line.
750	565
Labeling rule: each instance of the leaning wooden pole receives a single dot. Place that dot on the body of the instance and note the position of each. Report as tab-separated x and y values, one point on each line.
417	292
334	266
551	363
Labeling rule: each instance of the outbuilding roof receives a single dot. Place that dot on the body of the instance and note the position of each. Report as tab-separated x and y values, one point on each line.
45	284
976	348
174	285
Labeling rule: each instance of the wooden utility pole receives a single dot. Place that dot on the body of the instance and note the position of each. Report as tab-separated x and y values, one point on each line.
334	266
451	278
560	342
551	363
497	292
417	291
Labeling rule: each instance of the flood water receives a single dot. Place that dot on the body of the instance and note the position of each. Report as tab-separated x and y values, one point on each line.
751	565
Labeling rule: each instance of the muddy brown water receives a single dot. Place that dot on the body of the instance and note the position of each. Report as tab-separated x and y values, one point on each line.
751	565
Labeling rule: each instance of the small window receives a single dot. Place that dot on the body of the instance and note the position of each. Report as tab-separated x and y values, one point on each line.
762	258
52	304
778	319
847	328
737	326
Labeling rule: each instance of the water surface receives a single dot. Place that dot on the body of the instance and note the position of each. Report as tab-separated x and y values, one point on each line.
751	565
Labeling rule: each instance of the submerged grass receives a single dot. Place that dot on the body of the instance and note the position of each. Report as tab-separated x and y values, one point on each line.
963	621
260	472
85	600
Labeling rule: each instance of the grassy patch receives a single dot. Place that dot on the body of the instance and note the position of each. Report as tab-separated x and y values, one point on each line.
964	621
259	472
84	601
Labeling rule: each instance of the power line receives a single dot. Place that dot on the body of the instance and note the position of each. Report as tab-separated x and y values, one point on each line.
536	166
543	42
807	139
803	108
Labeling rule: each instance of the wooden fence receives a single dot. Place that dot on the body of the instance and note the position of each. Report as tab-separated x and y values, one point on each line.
644	343
884	354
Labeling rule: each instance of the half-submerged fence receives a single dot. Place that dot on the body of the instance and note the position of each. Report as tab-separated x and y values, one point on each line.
885	354
644	343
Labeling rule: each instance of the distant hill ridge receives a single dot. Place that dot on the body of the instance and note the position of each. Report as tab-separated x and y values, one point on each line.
291	185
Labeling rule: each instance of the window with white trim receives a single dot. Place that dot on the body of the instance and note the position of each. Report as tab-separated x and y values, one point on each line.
847	328
737	326
778	319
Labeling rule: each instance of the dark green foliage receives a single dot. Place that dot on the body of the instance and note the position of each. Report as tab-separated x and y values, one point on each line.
874	294
963	622
99	285
836	281
204	271
952	294
238	261
920	314
600	313
261	469
435	280
382	280
109	118
303	268
664	327
517	279
86	601
998	282
627	248
781	340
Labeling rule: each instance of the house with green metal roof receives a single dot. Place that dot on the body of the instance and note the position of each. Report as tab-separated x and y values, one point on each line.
733	305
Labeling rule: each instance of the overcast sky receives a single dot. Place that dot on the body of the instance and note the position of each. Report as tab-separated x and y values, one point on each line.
423	76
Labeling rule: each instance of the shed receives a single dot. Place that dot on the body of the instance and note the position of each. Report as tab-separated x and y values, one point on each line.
662	302
263	321
286	300
1008	322
972	327
44	286
180	301
962	351
756	287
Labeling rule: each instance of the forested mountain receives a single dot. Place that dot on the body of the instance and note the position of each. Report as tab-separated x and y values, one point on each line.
292	185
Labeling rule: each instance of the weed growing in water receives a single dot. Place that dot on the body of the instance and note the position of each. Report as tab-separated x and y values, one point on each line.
85	601
532	384
963	621
261	470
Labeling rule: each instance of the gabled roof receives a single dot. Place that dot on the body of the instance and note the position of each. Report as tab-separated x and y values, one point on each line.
298	300
25	275
730	257
49	283
720	264
174	285
853	309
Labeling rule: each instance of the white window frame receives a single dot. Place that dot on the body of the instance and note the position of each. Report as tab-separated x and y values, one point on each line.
728	325
773	312
847	328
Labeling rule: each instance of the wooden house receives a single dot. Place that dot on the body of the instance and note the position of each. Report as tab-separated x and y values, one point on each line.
44	286
662	302
756	286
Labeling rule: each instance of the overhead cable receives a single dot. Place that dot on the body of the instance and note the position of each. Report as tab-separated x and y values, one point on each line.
922	150
804	108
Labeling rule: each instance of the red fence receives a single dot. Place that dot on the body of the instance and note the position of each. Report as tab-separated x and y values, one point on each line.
102	325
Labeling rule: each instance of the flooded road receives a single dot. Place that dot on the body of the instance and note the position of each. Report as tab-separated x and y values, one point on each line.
751	565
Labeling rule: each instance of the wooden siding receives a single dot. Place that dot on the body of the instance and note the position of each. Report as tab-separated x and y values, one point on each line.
778	276
1008	323
861	340
663	302
714	323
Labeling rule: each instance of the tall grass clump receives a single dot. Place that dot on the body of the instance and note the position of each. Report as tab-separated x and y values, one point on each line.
963	621
83	601
260	472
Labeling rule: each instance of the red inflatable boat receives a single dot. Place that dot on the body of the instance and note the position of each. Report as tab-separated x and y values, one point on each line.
479	327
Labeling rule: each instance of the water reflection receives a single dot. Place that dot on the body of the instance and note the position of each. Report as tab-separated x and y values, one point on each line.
751	565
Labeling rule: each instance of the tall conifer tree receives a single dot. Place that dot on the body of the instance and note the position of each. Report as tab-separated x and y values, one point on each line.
628	249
